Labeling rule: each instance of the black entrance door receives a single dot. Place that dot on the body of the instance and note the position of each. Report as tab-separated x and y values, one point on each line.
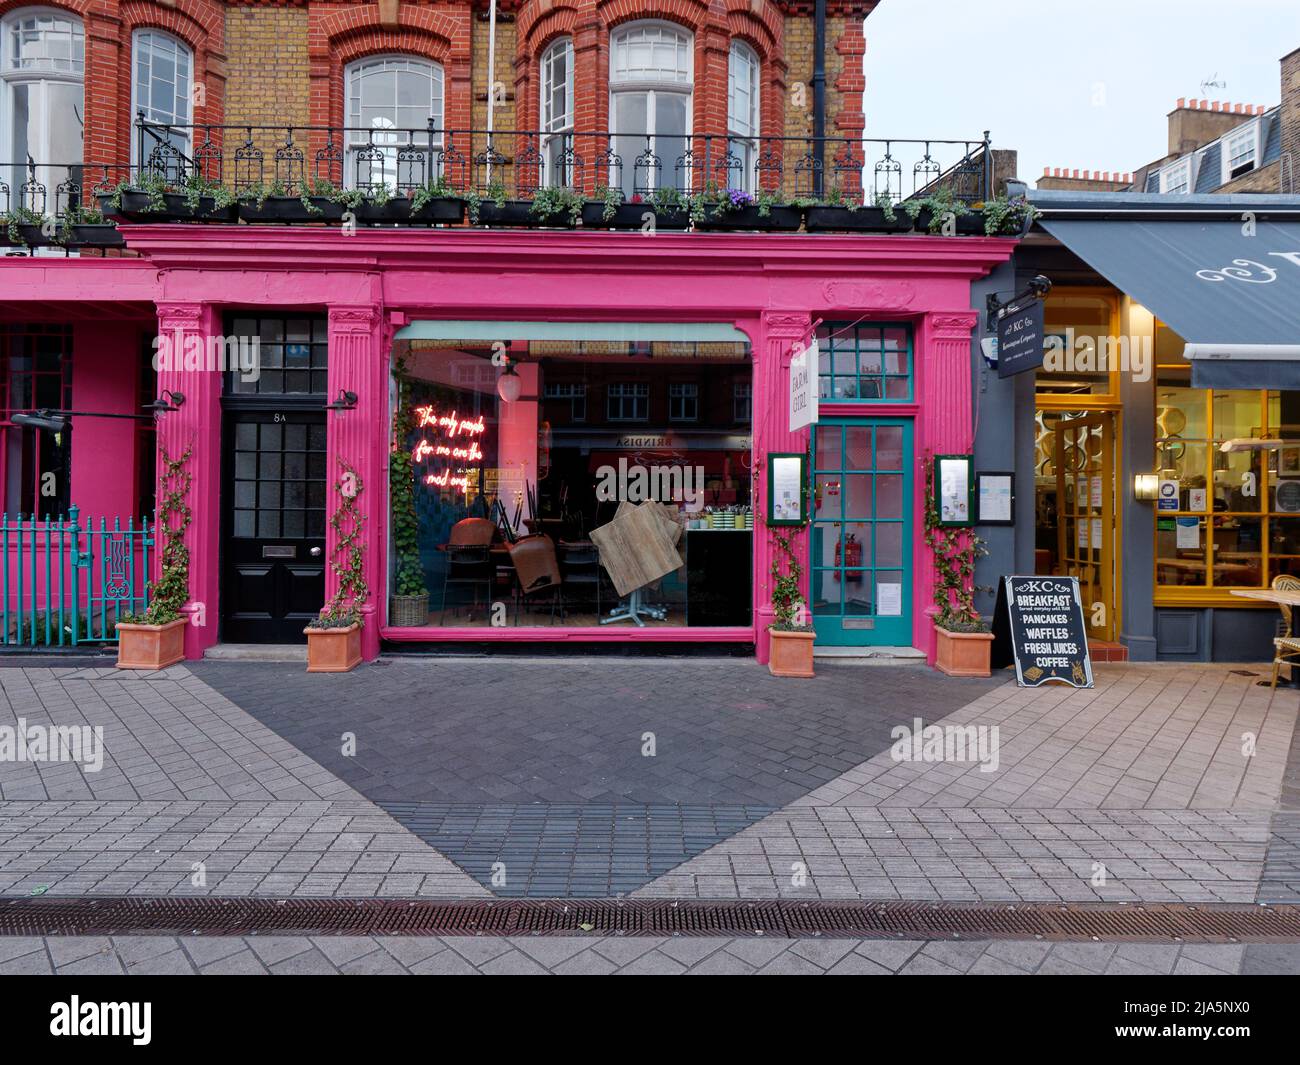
273	566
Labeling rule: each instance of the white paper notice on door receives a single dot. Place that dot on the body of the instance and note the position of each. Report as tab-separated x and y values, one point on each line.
890	598
1096	492
1189	532
1096	532
1082	537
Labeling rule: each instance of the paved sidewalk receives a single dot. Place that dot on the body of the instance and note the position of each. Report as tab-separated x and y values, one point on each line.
1138	789
194	797
286	955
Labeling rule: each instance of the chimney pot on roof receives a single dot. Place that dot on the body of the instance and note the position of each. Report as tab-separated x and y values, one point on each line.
1182	102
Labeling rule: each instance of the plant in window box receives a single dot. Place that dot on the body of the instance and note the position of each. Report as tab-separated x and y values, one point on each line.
84	227
276	202
151	198
557	207
737	209
1005	217
936	213
437	201
25	228
491	207
334	636
964	643
408	606
155	638
846	214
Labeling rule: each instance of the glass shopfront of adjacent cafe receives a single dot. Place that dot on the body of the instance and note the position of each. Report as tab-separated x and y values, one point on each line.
580	482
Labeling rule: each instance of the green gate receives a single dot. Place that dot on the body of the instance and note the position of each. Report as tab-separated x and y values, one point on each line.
62	584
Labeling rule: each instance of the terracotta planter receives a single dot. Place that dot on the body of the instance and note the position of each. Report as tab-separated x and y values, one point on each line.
150	646
790	654
963	654
333	650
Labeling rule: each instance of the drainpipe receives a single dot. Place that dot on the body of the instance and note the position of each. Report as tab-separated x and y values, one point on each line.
819	90
491	81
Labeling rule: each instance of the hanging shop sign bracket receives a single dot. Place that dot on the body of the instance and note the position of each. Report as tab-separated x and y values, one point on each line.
1019	326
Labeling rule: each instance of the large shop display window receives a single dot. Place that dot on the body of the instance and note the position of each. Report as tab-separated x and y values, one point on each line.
1231	459
584	483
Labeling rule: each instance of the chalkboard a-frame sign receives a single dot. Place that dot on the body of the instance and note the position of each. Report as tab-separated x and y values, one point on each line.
1039	625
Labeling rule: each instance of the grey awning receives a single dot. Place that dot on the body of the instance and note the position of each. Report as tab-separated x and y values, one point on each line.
1234	298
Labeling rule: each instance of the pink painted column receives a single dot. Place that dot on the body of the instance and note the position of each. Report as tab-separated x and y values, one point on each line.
195	426
774	346
945	427
358	362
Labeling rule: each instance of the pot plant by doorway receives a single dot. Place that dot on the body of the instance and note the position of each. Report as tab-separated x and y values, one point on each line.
334	637
155	638
408	606
963	641
790	653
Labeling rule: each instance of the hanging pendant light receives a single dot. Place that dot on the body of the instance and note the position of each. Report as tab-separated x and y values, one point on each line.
509	384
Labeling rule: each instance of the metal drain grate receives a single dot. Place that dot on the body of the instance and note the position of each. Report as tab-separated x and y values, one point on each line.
52	916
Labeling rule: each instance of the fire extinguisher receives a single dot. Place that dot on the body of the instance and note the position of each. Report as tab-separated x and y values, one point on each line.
852	557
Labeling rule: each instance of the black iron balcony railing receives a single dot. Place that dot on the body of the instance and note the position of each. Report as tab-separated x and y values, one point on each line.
517	163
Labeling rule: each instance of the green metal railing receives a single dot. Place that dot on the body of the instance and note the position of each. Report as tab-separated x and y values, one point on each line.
62	584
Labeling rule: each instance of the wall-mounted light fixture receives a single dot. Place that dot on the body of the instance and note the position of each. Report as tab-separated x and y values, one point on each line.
346	401
47	420
167	402
1146	486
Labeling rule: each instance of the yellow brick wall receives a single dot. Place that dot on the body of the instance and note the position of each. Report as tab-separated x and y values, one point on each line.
268	79
504	118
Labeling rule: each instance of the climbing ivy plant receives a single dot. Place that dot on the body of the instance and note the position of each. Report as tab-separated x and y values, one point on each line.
170	592
409	578
347	561
955	550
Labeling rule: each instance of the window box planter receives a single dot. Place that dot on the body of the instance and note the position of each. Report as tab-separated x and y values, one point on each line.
632	216
861	220
92	236
291	209
778	219
333	650
408	611
32	237
150	646
135	208
968	225
790	654
510	213
963	654
447	210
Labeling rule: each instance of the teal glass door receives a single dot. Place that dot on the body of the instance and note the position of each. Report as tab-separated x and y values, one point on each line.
860	571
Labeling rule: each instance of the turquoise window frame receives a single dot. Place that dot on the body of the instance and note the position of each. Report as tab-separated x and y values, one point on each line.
849	351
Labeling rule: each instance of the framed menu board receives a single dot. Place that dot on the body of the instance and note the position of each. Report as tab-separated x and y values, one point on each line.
954	489
787	488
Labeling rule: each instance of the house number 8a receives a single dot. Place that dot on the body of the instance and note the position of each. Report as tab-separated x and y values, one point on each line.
279	417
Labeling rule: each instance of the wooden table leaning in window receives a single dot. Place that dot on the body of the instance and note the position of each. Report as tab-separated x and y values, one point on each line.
1281	598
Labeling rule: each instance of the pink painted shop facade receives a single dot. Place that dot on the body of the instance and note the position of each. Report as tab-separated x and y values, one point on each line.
664	350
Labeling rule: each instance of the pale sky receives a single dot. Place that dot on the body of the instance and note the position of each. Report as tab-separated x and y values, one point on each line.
1067	83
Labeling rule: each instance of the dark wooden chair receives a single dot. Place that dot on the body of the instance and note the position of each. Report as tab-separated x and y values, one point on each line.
469	560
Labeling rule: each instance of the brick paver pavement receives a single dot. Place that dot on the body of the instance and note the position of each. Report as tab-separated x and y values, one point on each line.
285	955
1162	783
194	797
